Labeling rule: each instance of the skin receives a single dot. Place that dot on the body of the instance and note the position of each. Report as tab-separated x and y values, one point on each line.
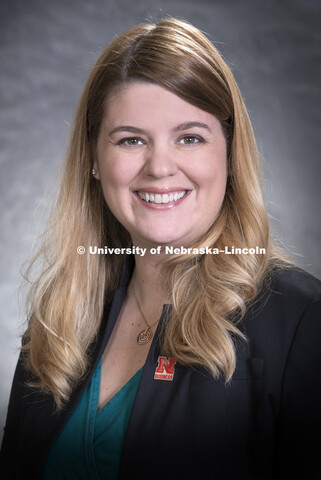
156	154
152	141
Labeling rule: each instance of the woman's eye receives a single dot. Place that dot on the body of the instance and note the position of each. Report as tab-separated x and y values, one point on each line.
131	142
190	140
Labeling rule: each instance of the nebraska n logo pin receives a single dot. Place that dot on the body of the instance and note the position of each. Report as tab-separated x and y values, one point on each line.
165	368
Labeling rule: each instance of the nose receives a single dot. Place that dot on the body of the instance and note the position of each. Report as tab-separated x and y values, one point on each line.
160	161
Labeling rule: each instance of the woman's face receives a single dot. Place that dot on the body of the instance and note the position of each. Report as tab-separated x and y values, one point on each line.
162	165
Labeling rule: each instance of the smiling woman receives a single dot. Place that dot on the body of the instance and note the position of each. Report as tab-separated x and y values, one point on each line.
166	185
199	355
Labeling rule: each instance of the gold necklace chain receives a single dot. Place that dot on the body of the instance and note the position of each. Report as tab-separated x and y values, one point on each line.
145	335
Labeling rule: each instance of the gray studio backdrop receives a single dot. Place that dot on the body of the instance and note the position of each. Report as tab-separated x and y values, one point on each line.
46	51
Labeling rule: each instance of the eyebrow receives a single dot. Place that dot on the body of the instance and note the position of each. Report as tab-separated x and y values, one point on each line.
187	125
178	128
126	128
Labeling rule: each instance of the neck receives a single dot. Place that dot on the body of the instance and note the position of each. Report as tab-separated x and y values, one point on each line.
148	280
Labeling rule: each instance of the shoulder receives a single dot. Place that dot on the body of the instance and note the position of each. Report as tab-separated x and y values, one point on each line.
287	308
295	282
289	291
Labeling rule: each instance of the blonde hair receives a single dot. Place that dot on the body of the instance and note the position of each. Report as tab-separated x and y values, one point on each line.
209	292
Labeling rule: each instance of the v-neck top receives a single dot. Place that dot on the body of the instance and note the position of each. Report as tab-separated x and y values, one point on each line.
90	445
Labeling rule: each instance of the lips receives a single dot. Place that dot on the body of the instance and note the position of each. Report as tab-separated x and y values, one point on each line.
161	198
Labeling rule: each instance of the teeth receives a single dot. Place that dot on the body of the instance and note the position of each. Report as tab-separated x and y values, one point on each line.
161	198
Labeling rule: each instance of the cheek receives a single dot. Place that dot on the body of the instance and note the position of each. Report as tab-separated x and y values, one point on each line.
115	183
212	176
115	176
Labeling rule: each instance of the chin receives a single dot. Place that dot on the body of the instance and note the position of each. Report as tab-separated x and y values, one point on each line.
171	240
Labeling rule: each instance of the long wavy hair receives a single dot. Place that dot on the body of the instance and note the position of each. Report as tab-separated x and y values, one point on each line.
209	293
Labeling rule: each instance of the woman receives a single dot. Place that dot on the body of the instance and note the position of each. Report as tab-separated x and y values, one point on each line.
178	359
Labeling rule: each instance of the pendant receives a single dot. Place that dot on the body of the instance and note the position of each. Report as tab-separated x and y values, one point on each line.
144	337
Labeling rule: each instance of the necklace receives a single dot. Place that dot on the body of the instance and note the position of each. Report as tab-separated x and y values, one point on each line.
145	335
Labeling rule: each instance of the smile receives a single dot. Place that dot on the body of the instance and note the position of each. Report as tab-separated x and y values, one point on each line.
162	198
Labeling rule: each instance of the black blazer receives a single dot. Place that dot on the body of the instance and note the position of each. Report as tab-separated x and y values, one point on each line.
264	424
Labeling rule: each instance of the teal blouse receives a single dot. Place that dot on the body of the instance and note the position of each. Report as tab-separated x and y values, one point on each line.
90	445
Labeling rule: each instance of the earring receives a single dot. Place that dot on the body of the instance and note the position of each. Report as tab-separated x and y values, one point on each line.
93	171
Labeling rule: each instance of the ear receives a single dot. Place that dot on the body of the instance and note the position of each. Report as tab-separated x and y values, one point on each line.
95	165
